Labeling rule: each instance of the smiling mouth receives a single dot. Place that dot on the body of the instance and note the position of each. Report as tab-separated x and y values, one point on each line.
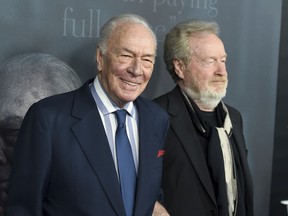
130	83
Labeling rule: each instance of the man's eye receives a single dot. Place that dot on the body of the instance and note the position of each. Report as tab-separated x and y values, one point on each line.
210	61
148	60
127	56
148	63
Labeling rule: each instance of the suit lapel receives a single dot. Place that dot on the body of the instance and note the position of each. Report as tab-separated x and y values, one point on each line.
91	136
184	127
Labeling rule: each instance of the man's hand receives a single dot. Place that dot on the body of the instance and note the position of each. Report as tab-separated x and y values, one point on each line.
159	210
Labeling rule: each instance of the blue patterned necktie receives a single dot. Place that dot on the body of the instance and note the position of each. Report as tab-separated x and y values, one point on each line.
126	167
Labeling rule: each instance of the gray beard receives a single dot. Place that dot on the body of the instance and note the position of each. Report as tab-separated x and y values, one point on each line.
207	100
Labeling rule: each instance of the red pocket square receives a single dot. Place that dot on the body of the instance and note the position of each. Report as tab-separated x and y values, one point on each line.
160	153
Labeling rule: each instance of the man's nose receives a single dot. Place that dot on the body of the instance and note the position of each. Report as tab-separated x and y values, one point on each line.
136	66
221	68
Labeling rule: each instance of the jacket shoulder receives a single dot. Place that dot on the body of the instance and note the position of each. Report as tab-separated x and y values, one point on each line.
163	100
151	107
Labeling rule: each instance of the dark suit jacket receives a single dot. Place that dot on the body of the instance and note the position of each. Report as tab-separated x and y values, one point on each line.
186	183
63	164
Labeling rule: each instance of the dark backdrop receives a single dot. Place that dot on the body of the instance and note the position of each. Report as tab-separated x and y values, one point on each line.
279	189
69	29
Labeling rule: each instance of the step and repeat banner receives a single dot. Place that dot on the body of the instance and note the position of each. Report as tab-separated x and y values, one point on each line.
250	30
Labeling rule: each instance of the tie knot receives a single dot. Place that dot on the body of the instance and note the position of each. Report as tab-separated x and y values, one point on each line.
121	117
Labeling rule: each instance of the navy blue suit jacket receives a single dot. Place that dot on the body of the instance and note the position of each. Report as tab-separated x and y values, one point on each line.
63	164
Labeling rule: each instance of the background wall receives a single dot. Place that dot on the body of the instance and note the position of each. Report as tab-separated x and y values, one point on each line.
279	188
69	29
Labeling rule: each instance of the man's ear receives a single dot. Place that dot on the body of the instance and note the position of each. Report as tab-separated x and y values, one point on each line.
99	59
179	67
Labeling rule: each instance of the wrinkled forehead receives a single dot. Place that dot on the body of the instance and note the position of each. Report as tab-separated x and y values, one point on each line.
210	45
128	31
